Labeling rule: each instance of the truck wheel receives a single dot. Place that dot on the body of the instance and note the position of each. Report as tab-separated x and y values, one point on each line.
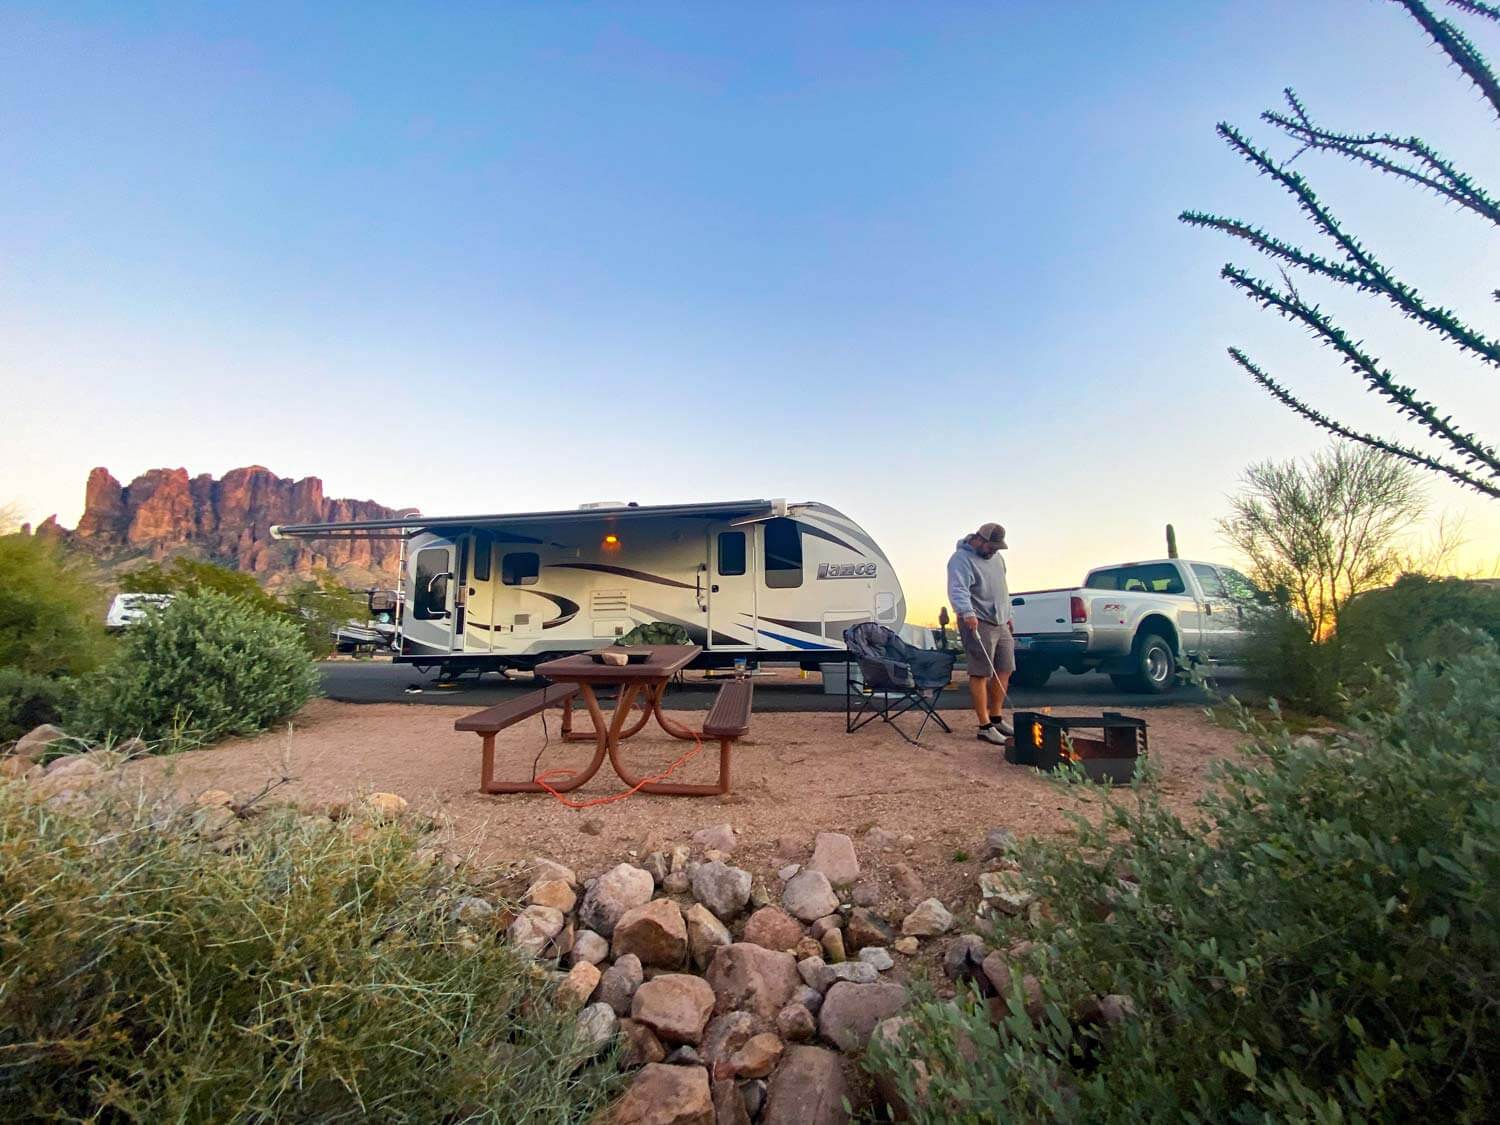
1155	665
1031	675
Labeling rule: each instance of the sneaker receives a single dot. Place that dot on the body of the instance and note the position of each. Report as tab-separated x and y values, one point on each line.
991	735
1004	726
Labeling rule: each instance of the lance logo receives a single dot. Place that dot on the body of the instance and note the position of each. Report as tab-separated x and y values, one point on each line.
847	570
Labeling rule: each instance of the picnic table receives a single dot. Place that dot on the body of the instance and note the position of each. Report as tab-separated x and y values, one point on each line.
643	682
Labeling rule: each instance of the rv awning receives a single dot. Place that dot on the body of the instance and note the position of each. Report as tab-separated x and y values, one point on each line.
400	526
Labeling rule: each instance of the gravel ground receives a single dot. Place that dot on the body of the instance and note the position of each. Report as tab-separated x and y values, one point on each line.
796	775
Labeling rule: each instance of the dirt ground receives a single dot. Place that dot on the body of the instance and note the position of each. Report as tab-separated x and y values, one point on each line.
796	775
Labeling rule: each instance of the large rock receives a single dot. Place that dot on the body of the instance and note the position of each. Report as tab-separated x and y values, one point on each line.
597	1025
640	1045
676	1006
851	1011
719	838
542	869
929	919
578	985
34	743
723	889
809	896
729	1105
997	975
588	946
808	1088
555	893
666	1095
617	986
753	979
726	1034
962	958
613	893
705	934
757	1058
773	928
534	928
908	883
655	932
796	1024
865	927
887	1082
833	855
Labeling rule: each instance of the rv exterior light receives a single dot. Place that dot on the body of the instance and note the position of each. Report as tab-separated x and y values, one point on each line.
611	540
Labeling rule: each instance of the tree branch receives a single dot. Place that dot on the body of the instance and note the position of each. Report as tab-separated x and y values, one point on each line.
1377	278
1317	418
1446	179
1404	398
1455	44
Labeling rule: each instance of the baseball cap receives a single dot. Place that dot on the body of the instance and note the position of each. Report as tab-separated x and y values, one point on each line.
992	533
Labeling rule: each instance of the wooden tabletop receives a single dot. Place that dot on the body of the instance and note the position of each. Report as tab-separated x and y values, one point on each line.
662	662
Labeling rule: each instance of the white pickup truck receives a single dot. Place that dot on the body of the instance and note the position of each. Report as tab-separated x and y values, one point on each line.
1139	622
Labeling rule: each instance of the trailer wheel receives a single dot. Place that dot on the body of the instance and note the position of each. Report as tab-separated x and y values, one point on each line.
1155	666
1031	675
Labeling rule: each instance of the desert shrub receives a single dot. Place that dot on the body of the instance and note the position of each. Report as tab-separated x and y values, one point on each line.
311	973
1288	665
194	576
28	700
1419	617
51	609
205	667
1323	946
319	606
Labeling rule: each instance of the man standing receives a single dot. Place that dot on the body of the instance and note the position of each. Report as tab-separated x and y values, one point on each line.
981	601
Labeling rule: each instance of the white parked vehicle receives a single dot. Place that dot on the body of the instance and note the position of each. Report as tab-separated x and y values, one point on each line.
1139	622
127	609
746	580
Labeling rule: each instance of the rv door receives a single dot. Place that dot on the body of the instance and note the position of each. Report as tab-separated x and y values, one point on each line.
431	598
731	588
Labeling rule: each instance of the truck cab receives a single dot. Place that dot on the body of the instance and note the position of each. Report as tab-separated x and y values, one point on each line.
1140	622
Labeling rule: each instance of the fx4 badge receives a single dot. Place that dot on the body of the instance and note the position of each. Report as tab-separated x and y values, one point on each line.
847	570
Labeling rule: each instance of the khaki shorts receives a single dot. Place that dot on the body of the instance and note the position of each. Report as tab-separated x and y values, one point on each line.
991	650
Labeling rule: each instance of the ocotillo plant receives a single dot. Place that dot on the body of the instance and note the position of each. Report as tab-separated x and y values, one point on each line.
1465	457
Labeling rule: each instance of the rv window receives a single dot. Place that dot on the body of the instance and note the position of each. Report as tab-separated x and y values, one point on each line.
783	554
731	552
521	569
482	550
430	590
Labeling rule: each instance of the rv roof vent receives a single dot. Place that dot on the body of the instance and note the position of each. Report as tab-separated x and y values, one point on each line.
593	505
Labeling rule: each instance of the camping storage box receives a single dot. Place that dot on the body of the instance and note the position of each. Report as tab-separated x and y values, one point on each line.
1045	741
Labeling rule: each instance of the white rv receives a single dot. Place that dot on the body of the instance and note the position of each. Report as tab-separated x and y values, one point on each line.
748	580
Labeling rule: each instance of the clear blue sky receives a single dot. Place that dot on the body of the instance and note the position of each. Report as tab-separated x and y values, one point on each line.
918	261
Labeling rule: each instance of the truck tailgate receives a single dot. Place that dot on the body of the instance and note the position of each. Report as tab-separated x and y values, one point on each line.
1039	612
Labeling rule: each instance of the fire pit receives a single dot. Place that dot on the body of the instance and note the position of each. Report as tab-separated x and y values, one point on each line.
1046	741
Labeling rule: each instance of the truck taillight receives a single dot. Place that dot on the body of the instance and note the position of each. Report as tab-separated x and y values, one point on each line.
1080	611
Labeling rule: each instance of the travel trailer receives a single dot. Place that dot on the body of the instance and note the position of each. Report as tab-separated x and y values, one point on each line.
748	580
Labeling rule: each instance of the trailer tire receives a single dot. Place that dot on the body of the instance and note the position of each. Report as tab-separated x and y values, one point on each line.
1031	675
1154	663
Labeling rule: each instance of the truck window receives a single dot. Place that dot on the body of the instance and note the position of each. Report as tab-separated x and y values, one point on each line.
783	541
1208	578
1240	588
1148	578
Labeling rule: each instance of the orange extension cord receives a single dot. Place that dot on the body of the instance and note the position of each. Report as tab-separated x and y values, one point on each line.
562	774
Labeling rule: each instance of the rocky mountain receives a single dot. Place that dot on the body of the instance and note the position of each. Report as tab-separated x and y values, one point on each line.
165	512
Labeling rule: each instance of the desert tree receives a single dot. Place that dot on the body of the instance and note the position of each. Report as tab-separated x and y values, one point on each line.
1460	454
1326	529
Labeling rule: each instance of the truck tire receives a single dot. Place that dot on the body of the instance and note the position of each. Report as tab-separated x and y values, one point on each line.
1155	666
1031	675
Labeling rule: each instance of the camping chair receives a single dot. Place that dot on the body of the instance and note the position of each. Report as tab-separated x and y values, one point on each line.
898	678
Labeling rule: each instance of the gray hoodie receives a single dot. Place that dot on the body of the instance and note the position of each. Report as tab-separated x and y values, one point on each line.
977	586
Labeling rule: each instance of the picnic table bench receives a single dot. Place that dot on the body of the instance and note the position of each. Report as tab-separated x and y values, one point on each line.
727	721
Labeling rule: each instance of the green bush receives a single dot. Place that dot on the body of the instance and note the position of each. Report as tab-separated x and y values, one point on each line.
1323	946
1420	617
1290	667
205	667
51	610
310	973
28	701
321	605
194	576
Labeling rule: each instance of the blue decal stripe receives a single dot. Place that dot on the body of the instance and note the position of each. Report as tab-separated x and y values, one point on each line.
789	640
